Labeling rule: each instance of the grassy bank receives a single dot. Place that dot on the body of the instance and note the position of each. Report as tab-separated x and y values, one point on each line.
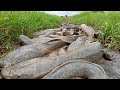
14	23
108	23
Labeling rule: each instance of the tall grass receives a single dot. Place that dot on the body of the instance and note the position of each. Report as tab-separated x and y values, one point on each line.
14	23
107	22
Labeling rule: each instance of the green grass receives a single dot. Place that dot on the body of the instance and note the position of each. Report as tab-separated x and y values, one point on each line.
108	23
14	23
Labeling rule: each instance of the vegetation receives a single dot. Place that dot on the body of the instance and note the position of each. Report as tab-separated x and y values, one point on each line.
14	23
107	22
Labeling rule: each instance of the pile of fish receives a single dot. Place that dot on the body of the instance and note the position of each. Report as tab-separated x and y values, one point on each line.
68	52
